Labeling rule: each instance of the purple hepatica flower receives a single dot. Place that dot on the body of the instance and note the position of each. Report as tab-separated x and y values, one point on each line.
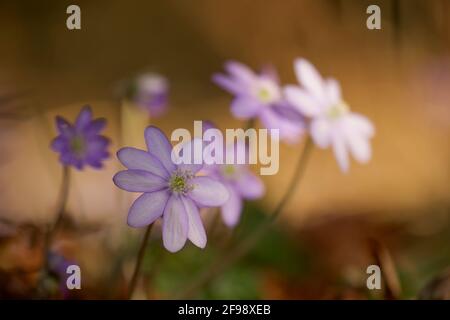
331	122
81	144
150	92
260	96
241	183
170	191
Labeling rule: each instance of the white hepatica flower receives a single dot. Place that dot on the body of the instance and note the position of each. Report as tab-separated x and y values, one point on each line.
331	121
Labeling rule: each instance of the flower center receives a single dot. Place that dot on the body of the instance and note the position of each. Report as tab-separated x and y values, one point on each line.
267	91
338	110
228	170
180	181
77	144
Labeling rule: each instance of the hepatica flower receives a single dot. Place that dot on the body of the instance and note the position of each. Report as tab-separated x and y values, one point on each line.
260	96
170	191
151	92
81	144
241	183
331	121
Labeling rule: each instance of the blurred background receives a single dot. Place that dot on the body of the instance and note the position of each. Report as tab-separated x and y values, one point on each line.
393	212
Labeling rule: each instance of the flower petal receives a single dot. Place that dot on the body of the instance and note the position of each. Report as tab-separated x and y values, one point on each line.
208	192
290	131
95	126
240	72
307	104
333	90
340	152
133	158
249	185
195	161
245	107
63	126
228	84
309	77
175	225
139	181
84	118
361	124
159	146
359	146
321	132
196	230
147	208
231	210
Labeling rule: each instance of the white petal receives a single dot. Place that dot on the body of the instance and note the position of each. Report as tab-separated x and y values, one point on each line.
305	103
309	77
196	230
175	225
361	124
333	90
340	152
359	147
321	132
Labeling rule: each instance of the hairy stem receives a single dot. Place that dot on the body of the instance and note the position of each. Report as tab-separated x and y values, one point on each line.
139	260
244	246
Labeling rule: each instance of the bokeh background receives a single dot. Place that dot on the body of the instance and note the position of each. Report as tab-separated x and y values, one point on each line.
393	211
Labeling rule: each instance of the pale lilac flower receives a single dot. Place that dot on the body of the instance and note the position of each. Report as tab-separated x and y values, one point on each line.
151	92
260	96
241	183
331	121
170	191
81	144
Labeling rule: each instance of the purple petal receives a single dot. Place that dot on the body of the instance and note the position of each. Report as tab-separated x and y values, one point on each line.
63	126
59	144
240	72
139	181
196	230
95	126
84	118
208	192
228	84
231	210
289	131
159	146
175	225
147	208
245	107
133	158
249	185
195	149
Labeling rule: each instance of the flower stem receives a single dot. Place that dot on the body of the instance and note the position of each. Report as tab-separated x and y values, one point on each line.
233	255
61	208
140	259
